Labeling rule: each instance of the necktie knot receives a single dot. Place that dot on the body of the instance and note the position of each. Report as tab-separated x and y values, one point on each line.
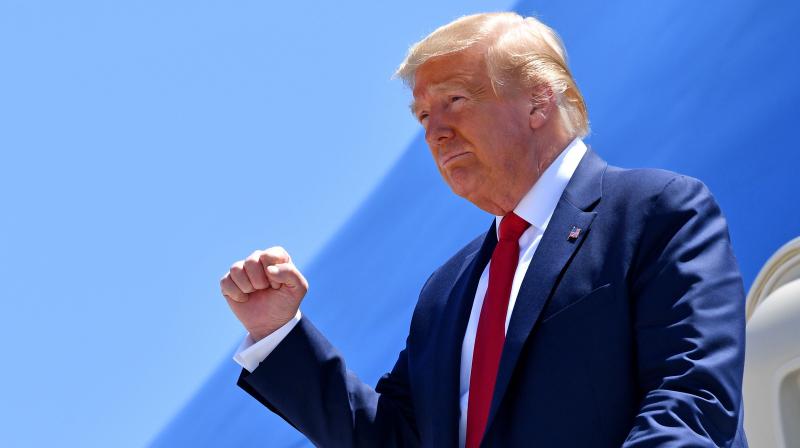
512	227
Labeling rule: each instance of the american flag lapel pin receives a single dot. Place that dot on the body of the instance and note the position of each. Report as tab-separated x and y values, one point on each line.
574	233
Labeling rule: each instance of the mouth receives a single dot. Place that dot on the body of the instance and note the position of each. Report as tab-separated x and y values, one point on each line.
451	157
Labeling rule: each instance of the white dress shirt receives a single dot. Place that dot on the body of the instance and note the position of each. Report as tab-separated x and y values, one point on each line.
536	207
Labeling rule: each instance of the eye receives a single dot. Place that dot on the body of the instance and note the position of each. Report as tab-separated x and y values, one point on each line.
422	117
456	98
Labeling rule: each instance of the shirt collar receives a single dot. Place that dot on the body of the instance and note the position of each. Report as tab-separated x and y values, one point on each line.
539	203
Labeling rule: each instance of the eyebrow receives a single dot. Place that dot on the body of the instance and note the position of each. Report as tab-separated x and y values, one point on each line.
459	81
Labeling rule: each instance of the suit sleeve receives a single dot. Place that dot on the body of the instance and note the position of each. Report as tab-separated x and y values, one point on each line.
689	323
306	382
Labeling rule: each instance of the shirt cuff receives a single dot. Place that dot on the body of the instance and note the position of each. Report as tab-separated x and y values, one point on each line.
250	354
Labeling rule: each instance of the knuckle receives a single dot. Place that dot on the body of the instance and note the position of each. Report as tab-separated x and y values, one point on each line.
267	257
278	252
251	264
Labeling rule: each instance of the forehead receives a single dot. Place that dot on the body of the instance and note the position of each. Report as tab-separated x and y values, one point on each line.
462	69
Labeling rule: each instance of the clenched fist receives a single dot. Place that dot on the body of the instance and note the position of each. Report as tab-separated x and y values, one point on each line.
264	291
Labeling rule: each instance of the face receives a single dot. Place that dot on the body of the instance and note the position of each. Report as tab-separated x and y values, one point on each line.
481	142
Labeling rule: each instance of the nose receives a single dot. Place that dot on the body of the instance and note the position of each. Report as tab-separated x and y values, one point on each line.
438	131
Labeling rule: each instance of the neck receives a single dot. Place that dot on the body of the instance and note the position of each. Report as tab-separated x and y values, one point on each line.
541	158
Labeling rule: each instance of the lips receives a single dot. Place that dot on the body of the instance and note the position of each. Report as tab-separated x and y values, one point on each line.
450	157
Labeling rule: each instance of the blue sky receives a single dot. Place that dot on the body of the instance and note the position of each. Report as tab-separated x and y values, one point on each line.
145	147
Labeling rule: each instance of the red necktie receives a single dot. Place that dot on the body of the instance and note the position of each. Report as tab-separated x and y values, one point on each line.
491	327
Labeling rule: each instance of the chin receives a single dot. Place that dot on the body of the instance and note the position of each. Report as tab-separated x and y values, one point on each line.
461	180
469	190
464	190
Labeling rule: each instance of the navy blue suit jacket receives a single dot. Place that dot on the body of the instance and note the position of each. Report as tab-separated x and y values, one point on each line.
630	335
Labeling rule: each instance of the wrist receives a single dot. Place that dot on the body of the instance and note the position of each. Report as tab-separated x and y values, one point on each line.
259	334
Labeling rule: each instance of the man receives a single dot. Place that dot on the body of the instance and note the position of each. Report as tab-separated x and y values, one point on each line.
603	307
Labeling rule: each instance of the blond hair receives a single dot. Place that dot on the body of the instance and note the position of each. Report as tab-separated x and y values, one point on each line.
520	52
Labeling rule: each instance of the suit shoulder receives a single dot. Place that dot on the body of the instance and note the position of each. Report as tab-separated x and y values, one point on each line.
434	293
638	185
451	267
446	274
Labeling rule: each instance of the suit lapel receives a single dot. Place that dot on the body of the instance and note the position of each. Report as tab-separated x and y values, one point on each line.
549	261
452	328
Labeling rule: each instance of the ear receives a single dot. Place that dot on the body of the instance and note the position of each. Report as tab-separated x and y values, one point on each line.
543	104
